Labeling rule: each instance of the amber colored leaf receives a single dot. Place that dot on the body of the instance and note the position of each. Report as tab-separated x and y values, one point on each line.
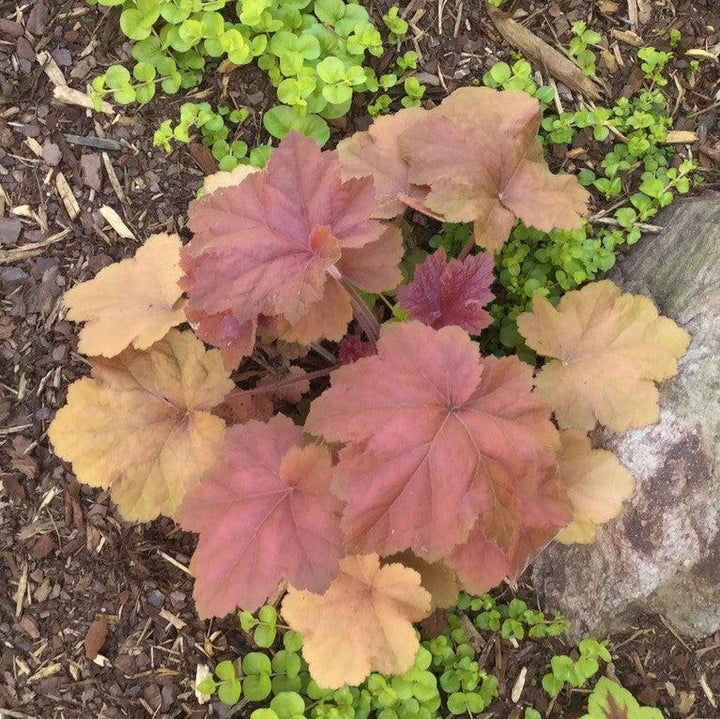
265	515
363	622
596	484
376	153
482	563
131	302
446	293
436	433
608	349
480	155
142	425
283	242
437	578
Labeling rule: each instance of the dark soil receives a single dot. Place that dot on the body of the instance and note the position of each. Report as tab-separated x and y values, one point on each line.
96	615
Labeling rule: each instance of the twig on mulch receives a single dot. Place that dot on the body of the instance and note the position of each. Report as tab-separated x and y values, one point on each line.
537	50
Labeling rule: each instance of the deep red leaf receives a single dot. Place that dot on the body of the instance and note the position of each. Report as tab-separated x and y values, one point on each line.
446	293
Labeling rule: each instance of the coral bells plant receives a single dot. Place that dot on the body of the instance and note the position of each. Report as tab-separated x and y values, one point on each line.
422	466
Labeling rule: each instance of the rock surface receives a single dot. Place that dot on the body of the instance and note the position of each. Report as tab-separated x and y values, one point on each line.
662	554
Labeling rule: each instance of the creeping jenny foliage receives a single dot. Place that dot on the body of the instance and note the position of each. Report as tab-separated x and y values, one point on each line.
315	54
424	467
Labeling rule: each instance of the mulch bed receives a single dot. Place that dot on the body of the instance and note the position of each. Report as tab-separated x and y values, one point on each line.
96	615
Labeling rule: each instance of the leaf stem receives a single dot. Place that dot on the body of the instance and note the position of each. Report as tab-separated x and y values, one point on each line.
366	319
281	384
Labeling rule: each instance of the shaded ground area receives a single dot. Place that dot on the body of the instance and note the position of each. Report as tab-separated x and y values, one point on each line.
75	579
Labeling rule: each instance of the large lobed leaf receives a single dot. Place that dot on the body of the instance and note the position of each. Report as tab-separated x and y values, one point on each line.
446	293
480	154
265	515
475	158
132	302
281	244
363	622
436	435
596	484
608	349
142	425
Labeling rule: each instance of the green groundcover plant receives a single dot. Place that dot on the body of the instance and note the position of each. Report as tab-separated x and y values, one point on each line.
426	466
316	54
446	677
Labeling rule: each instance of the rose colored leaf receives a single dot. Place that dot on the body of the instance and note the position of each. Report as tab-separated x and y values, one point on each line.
276	245
142	426
375	153
596	484
265	515
363	622
479	153
436	434
95	637
446	293
437	578
482	563
233	338
131	302
608	349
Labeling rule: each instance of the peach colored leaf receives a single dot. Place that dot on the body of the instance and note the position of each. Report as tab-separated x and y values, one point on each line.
363	622
435	434
131	302
376	154
142	425
437	578
596	484
227	179
480	155
482	563
265	515
286	239
446	293
608	349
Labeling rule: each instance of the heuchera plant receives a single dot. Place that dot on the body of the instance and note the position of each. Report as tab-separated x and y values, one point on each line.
424	467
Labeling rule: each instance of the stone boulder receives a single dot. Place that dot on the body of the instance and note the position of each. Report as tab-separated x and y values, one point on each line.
662	554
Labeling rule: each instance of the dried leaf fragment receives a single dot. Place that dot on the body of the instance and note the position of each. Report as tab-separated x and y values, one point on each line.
596	484
265	515
363	622
608	349
142	425
132	302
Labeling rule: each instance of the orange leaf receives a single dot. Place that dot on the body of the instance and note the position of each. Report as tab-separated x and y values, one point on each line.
142	425
132	302
480	155
363	622
596	484
376	153
436	577
610	348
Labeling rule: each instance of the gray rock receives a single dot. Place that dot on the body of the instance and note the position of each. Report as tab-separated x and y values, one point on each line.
662	554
